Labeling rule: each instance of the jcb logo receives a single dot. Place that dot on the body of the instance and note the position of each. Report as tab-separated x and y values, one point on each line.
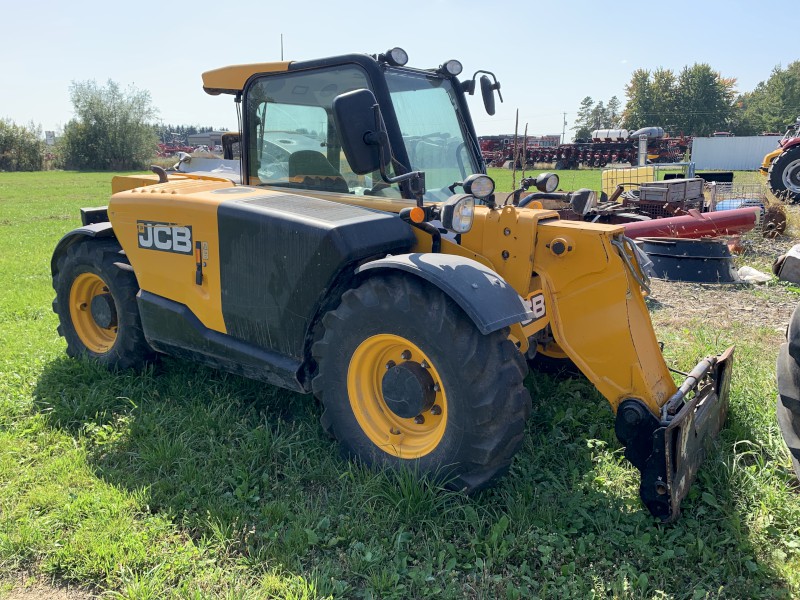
166	237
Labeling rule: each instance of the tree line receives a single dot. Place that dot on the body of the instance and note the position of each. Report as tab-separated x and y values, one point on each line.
697	101
112	129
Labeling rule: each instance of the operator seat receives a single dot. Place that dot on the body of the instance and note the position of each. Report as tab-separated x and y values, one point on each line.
310	170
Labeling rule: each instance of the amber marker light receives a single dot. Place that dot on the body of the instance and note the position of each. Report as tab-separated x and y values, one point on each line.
417	215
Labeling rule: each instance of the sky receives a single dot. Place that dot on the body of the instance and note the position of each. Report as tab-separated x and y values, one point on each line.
547	56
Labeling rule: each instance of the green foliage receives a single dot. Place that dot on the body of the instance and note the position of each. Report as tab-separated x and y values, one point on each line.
592	116
111	130
773	105
185	482
21	148
698	101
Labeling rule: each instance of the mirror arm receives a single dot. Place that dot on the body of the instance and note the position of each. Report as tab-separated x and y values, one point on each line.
379	138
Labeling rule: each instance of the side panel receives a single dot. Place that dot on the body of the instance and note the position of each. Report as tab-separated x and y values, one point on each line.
171	327
281	253
165	213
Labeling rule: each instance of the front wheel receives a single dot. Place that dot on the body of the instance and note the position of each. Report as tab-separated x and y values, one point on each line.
406	379
96	305
784	175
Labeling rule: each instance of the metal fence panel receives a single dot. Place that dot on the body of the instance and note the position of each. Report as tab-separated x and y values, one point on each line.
732	153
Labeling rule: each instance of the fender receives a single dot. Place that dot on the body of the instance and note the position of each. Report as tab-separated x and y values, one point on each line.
480	292
94	230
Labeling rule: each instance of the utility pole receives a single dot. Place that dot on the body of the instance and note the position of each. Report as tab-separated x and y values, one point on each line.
564	129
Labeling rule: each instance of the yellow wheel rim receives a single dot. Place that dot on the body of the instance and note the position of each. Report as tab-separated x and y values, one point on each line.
85	287
404	438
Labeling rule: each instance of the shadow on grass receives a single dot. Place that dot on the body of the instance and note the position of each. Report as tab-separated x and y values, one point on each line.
245	469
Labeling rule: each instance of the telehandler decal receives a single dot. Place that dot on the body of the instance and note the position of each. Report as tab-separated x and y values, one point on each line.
535	304
166	237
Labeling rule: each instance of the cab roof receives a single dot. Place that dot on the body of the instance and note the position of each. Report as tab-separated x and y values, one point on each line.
231	80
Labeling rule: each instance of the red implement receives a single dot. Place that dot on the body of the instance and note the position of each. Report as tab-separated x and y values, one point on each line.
697	224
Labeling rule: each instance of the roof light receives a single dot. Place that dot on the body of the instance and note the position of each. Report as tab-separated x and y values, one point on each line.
396	57
452	68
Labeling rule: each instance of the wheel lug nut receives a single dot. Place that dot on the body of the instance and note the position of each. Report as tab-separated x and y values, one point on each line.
406	354
436	410
424	365
390	364
436	387
419	419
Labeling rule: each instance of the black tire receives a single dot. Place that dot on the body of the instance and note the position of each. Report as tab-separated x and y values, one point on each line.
784	175
102	321
483	404
788	405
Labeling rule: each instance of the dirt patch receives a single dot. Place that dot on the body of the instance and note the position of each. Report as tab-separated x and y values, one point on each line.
24	587
767	306
679	304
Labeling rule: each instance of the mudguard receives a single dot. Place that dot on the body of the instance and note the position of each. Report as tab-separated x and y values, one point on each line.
94	230
481	293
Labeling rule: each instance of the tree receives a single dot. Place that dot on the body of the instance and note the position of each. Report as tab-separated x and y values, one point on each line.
662	100
21	148
704	100
639	108
772	105
583	128
613	111
699	101
112	129
592	116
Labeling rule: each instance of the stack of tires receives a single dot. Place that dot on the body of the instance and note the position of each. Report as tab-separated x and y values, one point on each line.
788	409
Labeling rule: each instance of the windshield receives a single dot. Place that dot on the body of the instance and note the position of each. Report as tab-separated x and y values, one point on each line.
434	134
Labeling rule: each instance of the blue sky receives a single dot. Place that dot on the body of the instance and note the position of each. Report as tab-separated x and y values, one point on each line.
547	56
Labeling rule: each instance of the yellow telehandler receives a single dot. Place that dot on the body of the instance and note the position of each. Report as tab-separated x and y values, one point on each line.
358	250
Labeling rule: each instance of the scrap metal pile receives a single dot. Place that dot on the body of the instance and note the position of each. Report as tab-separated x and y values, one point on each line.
678	223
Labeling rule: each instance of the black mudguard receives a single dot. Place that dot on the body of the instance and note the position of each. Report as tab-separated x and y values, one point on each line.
94	230
480	292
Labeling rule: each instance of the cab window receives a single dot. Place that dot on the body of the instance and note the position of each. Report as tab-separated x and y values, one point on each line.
293	138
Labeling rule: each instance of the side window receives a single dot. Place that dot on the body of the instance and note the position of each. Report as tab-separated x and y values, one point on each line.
293	140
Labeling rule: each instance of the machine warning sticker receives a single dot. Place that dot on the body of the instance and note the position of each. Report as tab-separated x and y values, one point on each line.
166	237
535	304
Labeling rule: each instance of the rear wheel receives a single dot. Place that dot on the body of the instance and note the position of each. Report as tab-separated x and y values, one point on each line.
406	379
96	305
784	175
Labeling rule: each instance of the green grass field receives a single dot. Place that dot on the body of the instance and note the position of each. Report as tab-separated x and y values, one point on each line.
184	482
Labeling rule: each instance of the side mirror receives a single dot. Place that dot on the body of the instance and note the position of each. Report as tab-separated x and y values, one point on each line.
487	91
354	116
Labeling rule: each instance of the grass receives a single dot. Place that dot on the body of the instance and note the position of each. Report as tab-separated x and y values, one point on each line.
184	482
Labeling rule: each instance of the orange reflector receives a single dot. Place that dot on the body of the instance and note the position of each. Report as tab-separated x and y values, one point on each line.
417	215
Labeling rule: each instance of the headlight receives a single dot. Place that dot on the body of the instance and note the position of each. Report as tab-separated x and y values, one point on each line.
480	186
458	213
547	182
